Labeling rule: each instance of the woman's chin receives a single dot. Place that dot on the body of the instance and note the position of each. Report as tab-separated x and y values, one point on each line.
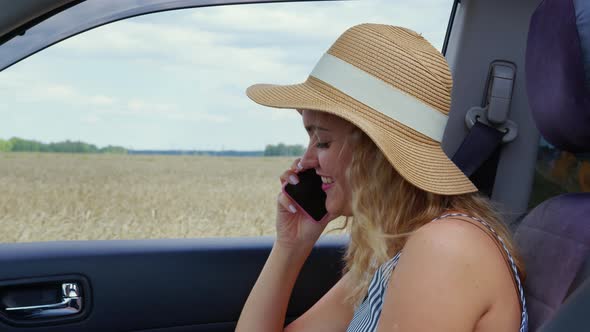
330	208
338	210
333	208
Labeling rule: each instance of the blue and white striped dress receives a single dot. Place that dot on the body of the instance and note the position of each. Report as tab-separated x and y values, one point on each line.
366	316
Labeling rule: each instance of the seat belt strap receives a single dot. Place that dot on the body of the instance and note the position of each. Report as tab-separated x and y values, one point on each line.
478	147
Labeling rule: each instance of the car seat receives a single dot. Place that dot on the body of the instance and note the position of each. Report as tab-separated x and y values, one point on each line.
554	238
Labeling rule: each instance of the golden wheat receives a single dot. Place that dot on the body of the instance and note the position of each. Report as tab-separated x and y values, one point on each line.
46	197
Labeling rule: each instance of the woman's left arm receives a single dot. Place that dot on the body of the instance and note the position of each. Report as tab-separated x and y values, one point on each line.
441	280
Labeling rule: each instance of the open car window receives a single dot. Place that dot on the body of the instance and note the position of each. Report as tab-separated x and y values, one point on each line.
142	129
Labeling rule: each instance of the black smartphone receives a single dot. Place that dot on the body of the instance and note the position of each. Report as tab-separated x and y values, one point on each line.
308	194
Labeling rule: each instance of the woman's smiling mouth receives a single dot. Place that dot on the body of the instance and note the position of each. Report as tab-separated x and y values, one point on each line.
327	183
327	180
326	186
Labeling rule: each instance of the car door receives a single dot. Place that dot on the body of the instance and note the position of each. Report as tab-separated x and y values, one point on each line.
63	275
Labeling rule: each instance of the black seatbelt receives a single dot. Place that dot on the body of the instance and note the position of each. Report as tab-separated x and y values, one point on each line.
478	156
489	126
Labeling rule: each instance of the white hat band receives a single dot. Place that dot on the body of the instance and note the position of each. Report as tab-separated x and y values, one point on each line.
380	96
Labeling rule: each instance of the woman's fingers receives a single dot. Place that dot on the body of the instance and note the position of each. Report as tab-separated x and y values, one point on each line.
296	165
286	203
289	176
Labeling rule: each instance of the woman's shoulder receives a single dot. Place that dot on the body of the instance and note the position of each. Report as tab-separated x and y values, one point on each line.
462	243
442	263
443	260
454	234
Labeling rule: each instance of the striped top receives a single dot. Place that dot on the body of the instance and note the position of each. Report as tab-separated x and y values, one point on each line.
367	314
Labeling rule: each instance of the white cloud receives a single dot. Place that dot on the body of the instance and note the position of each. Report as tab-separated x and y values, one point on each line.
274	114
191	68
254	41
135	37
285	18
137	106
169	111
98	105
323	21
90	119
56	92
21	87
166	46
100	100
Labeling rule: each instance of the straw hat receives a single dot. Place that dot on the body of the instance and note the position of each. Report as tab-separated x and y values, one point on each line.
393	85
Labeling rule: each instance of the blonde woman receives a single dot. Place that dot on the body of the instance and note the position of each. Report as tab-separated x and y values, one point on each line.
426	252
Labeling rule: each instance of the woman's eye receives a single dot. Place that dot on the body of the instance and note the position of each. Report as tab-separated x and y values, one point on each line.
321	145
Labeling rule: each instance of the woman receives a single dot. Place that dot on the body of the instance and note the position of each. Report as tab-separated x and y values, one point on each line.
427	253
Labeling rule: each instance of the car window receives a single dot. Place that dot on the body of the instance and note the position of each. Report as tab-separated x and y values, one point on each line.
141	128
558	172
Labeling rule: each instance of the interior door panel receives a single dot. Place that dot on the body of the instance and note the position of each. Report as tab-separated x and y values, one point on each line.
156	285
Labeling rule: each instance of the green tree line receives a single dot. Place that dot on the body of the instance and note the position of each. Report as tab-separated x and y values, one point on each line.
16	144
284	150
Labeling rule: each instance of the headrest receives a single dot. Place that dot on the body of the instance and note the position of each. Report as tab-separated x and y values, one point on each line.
558	72
582	8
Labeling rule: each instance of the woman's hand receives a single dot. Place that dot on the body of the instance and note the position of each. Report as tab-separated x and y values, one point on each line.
294	228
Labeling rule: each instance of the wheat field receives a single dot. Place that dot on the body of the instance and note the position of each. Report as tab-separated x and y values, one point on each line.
48	197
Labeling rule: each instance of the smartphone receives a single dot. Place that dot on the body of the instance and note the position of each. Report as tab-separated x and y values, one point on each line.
308	194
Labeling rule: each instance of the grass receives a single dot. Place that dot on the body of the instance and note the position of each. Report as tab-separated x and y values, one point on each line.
46	197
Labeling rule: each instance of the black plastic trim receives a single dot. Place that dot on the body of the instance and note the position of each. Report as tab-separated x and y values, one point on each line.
22	29
450	26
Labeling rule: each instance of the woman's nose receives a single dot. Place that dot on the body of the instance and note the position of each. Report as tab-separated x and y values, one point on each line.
309	159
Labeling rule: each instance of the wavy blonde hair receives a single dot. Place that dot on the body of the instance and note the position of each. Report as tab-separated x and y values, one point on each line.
387	209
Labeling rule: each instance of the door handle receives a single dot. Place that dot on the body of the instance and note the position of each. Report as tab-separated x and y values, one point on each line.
70	304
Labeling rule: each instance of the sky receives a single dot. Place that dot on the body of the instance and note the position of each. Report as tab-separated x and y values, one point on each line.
177	80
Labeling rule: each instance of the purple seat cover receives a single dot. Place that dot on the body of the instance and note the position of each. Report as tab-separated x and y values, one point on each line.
555	77
554	238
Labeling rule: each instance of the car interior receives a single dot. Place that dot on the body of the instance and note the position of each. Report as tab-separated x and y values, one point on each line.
520	103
